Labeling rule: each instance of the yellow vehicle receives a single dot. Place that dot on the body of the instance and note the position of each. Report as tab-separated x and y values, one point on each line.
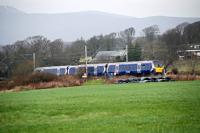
158	68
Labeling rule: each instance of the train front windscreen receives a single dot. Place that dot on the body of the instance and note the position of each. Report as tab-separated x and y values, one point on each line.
158	67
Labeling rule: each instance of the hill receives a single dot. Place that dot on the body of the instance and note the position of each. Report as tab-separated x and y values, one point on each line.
17	25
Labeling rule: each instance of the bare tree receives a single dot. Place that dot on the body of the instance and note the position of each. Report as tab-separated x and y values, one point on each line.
128	35
151	32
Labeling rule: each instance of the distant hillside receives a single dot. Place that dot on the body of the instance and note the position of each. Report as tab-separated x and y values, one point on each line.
16	25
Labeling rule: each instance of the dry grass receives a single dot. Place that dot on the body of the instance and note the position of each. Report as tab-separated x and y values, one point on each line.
184	77
186	66
39	81
43	81
64	81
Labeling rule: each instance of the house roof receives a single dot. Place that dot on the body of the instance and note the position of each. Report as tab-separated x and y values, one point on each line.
192	50
111	53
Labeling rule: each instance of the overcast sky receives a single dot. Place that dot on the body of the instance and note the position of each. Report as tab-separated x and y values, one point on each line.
135	8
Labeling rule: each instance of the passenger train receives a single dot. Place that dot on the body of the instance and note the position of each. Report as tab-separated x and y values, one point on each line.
119	68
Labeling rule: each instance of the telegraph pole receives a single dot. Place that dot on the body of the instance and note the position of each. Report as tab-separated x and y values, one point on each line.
33	61
86	71
126	53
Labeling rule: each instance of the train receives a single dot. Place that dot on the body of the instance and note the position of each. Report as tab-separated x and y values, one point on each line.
110	69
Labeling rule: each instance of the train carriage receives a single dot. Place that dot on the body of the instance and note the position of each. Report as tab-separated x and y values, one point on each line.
56	70
146	67
91	70
110	69
100	69
72	70
127	68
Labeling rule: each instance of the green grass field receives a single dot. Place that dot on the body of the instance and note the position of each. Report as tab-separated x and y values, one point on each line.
172	107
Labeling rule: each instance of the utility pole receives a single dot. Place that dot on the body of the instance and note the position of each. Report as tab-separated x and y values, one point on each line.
86	71
126	53
33	61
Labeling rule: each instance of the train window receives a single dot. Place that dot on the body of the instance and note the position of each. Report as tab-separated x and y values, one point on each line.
157	64
133	67
62	71
121	68
146	66
100	69
72	70
51	70
111	68
143	66
125	67
90	70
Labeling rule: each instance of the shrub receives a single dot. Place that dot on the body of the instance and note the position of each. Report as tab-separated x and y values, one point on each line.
23	69
40	81
62	81
174	70
7	85
40	77
81	72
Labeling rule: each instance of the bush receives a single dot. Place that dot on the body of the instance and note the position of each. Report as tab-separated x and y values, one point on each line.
40	77
23	69
40	81
62	81
81	72
175	71
7	85
22	80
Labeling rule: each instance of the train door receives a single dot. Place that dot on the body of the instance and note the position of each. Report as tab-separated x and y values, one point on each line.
117	69
90	70
139	68
58	72
111	69
63	71
100	70
66	70
72	70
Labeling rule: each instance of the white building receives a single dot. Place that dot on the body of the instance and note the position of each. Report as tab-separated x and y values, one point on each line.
110	56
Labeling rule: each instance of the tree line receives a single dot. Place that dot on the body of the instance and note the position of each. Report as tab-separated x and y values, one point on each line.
17	58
